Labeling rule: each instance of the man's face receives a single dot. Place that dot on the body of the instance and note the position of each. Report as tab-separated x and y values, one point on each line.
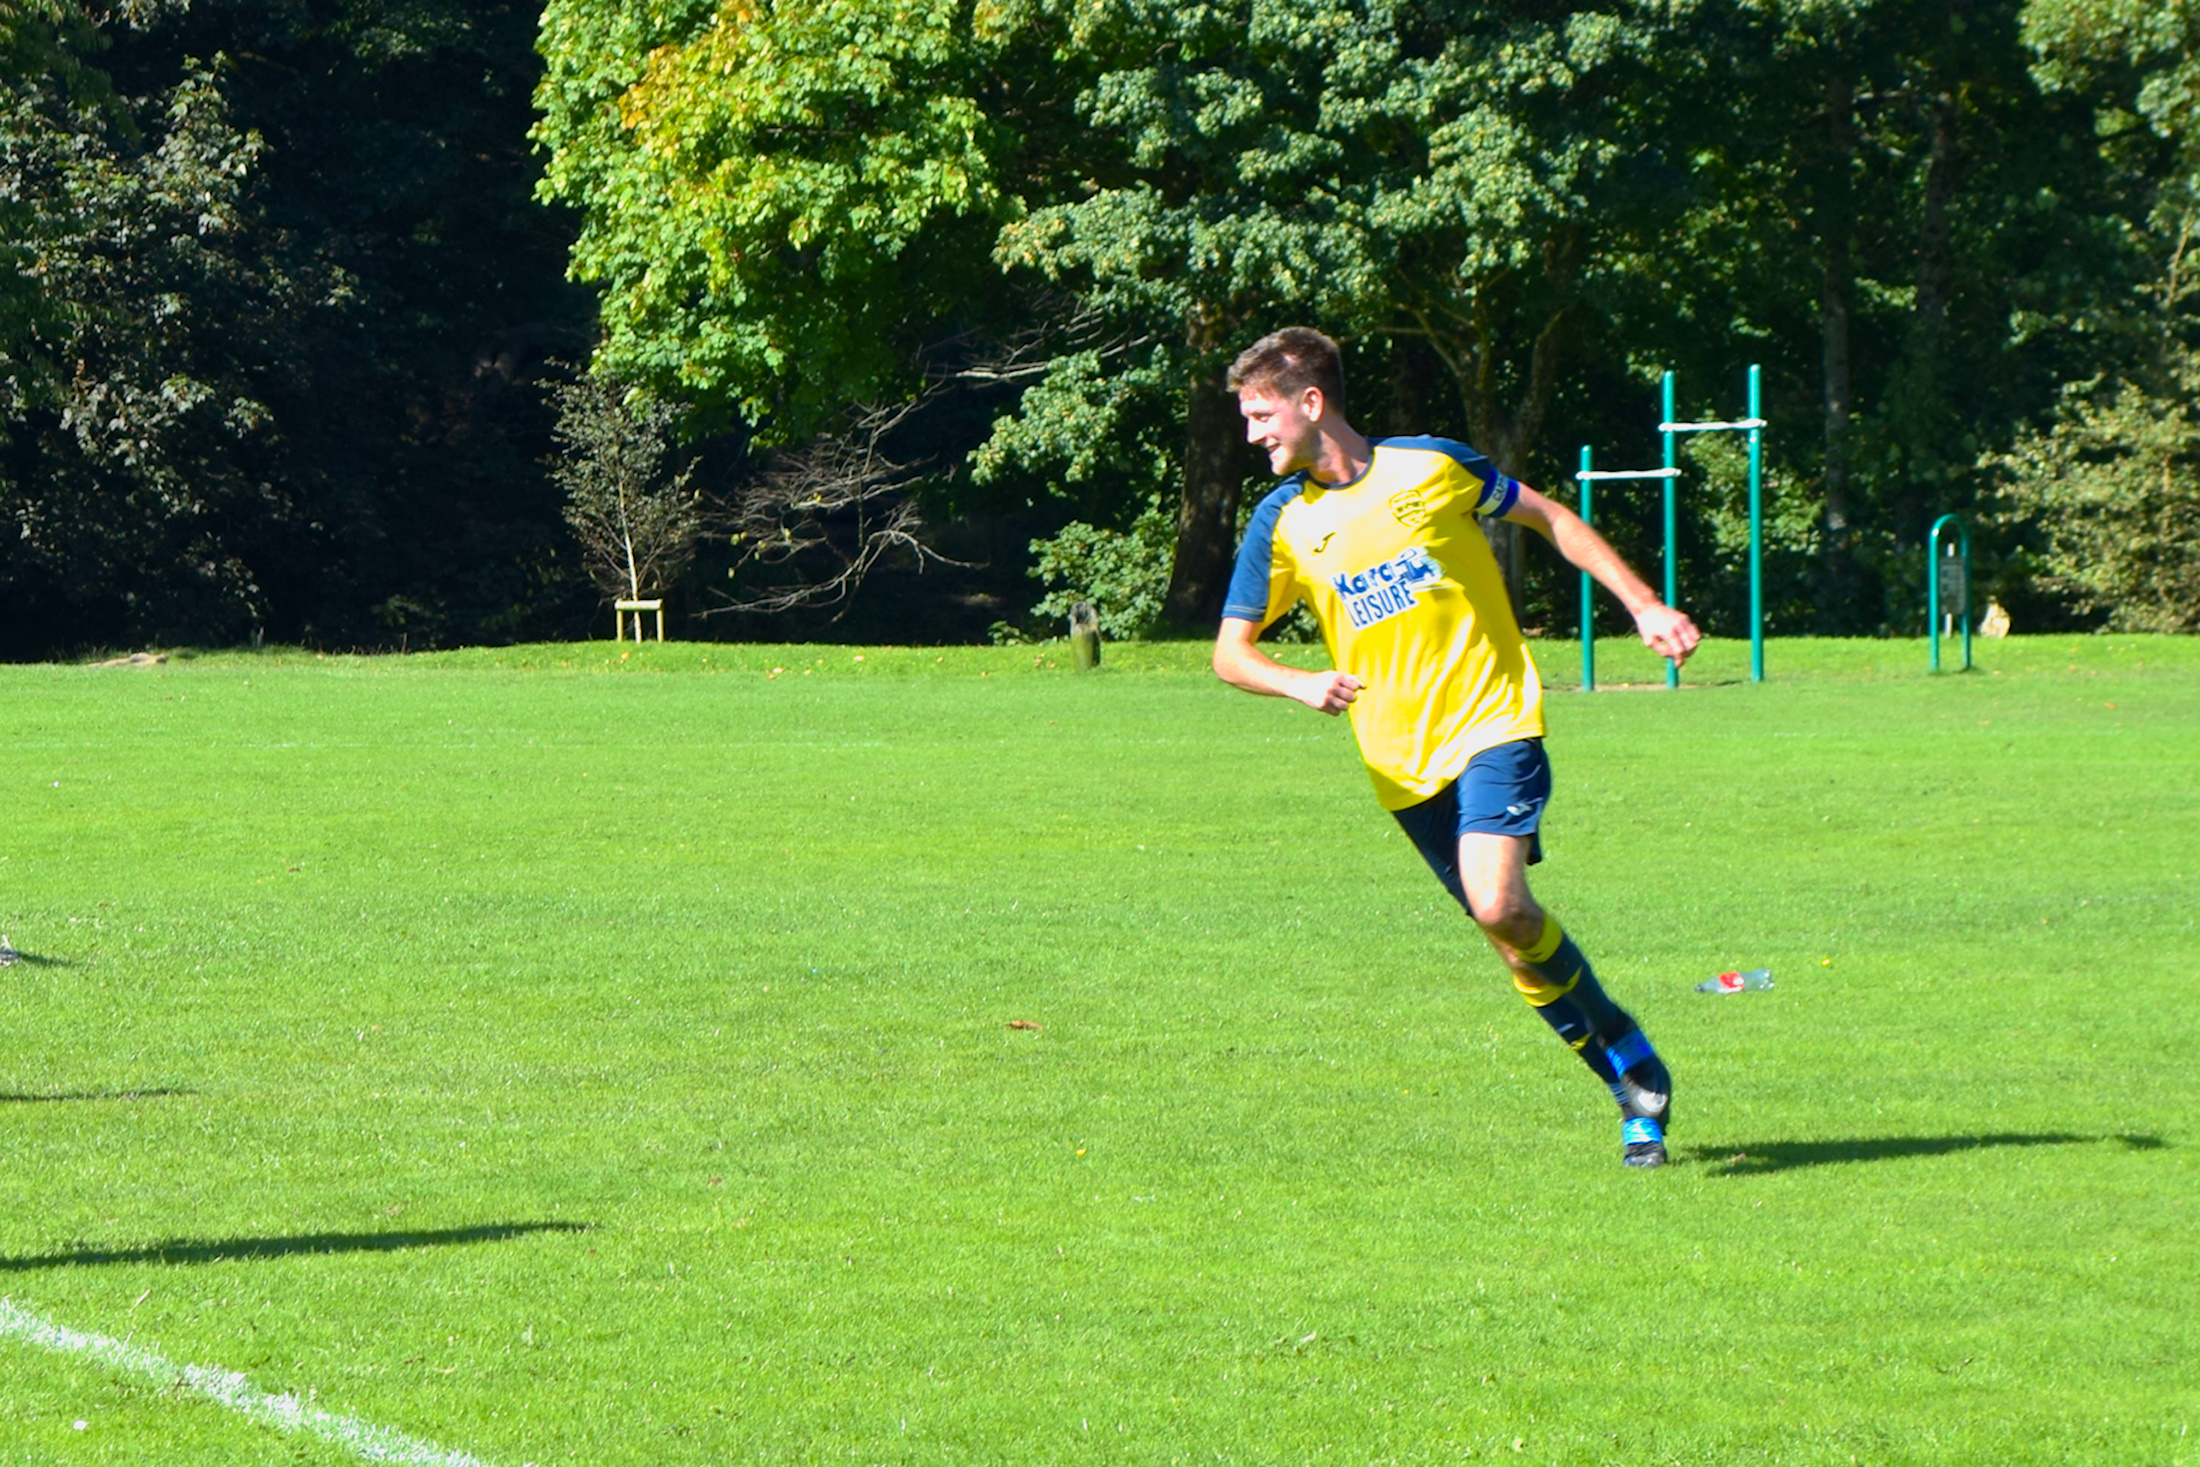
1286	428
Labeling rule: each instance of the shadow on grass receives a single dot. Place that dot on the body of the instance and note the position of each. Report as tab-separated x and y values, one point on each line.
11	1099
1760	1157
37	960
221	1250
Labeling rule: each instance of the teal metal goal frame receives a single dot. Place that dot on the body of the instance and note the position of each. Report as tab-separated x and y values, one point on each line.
1932	585
1752	424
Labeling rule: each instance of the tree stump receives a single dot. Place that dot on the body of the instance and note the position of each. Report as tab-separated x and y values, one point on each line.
1084	635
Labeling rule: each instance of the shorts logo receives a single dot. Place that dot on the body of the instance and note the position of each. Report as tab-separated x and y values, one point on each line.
1409	509
1382	591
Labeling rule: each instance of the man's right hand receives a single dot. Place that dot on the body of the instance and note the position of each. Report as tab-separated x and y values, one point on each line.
1328	692
1241	664
1667	632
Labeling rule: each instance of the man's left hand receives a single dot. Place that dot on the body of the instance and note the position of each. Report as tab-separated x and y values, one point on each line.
1667	632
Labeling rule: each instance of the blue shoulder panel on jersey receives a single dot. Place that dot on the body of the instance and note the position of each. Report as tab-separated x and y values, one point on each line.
1465	456
1248	598
1499	494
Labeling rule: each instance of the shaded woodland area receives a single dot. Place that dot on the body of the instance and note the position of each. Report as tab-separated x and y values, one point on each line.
931	300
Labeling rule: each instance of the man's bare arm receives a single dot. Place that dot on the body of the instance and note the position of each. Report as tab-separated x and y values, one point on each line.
1665	631
1241	664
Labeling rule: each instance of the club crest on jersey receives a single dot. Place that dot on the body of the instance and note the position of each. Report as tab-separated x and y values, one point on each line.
1382	591
1408	508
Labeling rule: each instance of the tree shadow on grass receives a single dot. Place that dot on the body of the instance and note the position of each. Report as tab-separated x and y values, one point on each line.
7	1098
222	1250
1760	1157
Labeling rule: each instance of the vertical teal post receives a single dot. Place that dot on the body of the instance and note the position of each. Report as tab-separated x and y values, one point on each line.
1756	533
1966	599
1588	590
1672	574
1932	599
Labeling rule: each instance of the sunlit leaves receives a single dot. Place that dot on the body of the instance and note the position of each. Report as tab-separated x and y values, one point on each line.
754	177
2113	488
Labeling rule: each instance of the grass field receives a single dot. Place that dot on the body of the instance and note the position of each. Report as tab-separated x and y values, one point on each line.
565	1056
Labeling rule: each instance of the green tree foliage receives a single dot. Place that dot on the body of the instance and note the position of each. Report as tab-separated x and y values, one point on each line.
1123	573
280	280
1919	242
134	436
1513	212
2108	492
790	209
405	396
785	203
2113	491
1461	175
281	290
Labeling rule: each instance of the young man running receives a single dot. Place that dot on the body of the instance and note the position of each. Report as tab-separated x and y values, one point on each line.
1380	539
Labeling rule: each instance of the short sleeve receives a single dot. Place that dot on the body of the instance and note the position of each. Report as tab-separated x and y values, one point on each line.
1262	587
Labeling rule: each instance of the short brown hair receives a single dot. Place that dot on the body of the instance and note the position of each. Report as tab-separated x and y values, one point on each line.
1290	360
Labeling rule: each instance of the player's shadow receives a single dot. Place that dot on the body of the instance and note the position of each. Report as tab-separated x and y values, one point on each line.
10	1098
223	1250
1760	1157
40	960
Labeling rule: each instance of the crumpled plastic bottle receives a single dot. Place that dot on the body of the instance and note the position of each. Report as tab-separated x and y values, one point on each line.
1737	982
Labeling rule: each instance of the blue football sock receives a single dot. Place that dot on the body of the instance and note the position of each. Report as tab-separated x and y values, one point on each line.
1630	1050
1563	988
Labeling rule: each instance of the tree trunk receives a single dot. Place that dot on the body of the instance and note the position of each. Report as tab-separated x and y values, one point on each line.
1935	246
1214	474
1507	438
1508	542
1834	229
1925	424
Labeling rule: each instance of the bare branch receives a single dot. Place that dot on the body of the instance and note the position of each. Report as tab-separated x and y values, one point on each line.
1060	325
842	500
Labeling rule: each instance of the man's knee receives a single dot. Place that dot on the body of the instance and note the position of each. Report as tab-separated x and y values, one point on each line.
1507	913
1493	877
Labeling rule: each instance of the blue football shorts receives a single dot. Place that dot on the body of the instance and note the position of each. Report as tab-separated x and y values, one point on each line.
1502	791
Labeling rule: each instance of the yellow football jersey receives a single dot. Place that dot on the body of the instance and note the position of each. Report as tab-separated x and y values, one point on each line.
1410	600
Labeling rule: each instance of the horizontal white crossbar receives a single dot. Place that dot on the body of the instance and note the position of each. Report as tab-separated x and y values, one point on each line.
1739	424
1629	474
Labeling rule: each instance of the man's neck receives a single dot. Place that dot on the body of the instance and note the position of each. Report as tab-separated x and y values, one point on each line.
1344	456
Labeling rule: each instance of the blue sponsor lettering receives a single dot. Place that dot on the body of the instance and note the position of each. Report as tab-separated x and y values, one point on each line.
1384	590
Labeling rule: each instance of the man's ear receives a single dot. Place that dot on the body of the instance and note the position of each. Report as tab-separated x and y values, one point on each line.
1312	403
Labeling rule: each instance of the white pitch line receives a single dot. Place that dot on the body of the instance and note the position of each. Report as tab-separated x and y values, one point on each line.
227	1388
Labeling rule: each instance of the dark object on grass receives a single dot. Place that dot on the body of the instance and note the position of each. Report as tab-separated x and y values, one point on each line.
8	955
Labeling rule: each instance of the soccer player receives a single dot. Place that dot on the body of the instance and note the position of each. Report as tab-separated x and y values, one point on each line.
1381	539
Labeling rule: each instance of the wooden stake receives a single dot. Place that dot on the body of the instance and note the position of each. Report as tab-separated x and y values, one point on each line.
1084	635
